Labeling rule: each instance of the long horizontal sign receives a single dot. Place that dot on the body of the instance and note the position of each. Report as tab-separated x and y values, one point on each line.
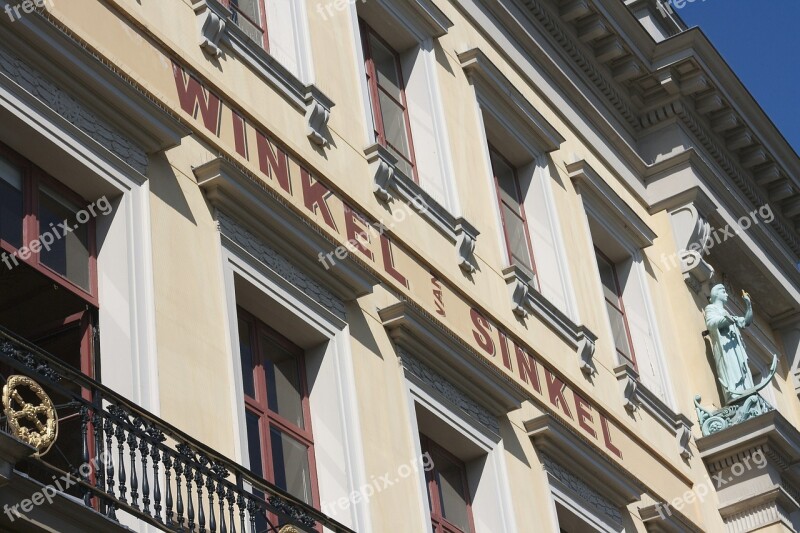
358	234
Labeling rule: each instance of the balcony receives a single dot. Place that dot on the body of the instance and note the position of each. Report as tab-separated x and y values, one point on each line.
114	466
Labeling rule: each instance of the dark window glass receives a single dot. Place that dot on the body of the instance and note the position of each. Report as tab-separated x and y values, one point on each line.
247	15
388	100
291	466
512	212
276	405
246	352
614	307
10	203
254	444
448	493
284	394
69	254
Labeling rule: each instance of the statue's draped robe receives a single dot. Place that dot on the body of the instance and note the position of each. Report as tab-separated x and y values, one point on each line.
729	352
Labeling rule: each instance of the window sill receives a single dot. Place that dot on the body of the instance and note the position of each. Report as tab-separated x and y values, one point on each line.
390	183
637	395
527	300
218	30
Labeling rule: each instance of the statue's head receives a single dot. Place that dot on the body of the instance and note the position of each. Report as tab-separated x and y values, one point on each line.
719	293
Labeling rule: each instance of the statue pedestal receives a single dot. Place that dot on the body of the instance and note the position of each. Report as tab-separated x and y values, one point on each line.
735	413
753	467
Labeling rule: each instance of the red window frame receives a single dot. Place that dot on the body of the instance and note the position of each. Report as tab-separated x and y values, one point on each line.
259	405
32	178
233	5
438	521
375	88
520	207
619	306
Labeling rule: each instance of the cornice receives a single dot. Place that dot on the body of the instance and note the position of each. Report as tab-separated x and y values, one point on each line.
682	78
419	333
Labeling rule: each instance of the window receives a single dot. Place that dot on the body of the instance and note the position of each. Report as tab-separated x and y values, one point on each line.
448	493
47	226
512	212
388	100
250	16
279	438
615	308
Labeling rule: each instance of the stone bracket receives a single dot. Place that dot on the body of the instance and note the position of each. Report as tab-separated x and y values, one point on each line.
389	184
212	27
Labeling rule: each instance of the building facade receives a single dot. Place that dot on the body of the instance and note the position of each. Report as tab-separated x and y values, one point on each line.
388	265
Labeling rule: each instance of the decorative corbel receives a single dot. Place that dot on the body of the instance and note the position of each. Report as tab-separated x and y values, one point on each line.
586	346
212	26
693	236
683	435
630	378
519	283
382	165
318	112
466	235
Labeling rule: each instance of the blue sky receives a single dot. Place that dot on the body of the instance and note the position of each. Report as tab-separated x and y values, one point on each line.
760	40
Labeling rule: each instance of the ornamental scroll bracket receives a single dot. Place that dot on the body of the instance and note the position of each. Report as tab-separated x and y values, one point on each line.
519	285
692	232
212	27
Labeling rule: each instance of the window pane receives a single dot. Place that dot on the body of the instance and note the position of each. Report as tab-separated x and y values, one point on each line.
506	183
619	330
246	352
517	238
404	166
250	9
386	67
394	125
69	254
290	463
453	492
254	444
608	278
284	393
10	203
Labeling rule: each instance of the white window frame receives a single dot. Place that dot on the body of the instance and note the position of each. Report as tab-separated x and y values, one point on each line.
531	134
562	495
334	408
422	30
629	232
493	502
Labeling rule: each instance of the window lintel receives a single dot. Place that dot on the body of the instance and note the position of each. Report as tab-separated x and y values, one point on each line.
600	196
498	96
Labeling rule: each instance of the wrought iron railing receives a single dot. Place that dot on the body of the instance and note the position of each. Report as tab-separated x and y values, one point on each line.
145	467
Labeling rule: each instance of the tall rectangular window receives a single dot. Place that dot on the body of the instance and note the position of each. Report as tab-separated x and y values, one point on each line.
47	226
277	416
11	180
512	212
251	17
615	307
388	100
448	492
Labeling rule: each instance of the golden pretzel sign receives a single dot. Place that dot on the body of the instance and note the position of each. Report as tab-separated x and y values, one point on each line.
41	428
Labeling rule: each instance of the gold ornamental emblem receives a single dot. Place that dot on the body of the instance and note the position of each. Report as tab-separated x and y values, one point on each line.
32	423
289	529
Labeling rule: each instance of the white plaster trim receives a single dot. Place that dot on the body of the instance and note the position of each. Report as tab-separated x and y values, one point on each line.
54	129
573	502
624	238
338	333
446	169
482	438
